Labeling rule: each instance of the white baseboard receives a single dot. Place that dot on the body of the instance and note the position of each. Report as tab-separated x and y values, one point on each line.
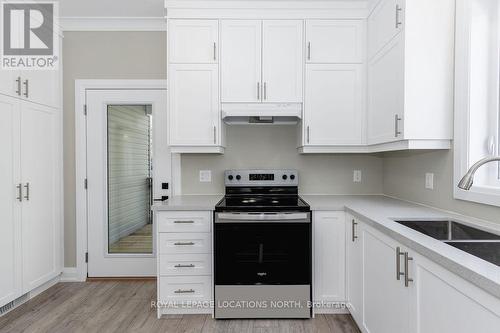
69	274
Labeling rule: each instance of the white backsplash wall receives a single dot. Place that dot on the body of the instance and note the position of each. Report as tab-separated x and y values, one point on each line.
274	147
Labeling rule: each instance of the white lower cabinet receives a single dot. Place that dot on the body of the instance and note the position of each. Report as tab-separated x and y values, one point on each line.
329	260
184	243
426	298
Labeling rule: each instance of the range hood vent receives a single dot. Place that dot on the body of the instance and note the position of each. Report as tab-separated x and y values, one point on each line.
261	113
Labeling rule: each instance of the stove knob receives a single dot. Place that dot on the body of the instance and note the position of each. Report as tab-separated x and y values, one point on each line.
230	177
285	177
292	177
238	177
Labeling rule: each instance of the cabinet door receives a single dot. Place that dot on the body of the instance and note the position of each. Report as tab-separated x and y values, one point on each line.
385	22
241	45
10	204
10	83
386	94
335	41
386	299
354	241
41	86
282	61
40	173
334	104
194	105
329	256
193	41
445	303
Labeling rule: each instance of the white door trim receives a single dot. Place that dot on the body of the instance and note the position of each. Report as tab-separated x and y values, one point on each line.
81	87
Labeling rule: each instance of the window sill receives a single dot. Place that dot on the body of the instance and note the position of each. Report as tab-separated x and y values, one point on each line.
484	195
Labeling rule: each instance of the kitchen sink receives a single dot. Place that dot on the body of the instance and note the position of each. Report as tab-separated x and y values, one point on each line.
477	242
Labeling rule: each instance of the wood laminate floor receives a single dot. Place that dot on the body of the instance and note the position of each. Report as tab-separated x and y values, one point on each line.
125	306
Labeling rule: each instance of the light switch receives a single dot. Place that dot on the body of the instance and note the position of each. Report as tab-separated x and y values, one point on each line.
429	181
205	176
357	176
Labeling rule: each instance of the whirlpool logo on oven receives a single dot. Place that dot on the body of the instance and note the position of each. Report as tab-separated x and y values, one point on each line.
30	38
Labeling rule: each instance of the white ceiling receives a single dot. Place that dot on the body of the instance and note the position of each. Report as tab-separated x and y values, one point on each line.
111	8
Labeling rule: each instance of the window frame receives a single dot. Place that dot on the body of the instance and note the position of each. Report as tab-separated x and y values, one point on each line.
489	195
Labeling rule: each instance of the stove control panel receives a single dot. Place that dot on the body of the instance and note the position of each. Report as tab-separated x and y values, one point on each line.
286	177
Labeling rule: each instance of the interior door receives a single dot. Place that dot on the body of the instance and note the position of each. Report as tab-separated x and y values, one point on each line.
127	160
282	61
40	170
10	201
241	47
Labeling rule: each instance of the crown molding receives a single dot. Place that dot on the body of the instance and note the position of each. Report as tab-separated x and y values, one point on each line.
113	23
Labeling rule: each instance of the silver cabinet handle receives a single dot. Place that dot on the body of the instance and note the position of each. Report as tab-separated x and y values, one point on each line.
26	88
184	266
398	10
258	91
354	224
265	90
215	51
407	275
397	132
308	134
184	291
183	221
399	254
18	91
215	134
184	243
27	187
308	50
19	192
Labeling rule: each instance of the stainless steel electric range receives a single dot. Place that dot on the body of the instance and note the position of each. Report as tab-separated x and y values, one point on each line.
262	247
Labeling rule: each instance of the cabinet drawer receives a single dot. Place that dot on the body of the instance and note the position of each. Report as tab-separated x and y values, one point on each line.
185	264
183	221
179	243
185	288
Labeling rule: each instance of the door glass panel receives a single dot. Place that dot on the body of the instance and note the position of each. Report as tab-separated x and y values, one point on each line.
129	178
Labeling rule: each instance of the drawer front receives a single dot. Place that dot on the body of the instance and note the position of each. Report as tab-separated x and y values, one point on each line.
181	243
183	221
185	288
185	264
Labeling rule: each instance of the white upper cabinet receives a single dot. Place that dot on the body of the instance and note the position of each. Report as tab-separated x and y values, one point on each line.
334	104
241	54
335	41
282	61
194	105
385	22
10	83
41	87
193	41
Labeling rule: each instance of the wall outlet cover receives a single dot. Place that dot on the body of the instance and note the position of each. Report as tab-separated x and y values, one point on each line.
356	176
429	181
205	176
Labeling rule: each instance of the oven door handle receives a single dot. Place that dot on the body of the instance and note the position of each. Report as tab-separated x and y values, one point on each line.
250	217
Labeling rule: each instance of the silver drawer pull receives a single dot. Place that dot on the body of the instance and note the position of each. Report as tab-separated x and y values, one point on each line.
184	291
184	266
399	254
20	192
184	243
407	274
179	222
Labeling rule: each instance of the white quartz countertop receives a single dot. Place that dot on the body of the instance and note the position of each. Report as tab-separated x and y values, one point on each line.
188	202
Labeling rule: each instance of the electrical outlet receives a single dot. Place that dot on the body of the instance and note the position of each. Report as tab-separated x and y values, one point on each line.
429	181
356	176
205	176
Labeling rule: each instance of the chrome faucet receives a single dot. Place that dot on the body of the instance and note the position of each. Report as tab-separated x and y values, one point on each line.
468	179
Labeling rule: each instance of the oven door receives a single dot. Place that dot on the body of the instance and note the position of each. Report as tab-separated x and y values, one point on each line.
262	249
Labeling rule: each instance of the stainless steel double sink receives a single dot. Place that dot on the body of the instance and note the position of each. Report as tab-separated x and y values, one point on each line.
477	242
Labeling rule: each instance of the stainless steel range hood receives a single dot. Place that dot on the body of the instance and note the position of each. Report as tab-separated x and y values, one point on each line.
261	113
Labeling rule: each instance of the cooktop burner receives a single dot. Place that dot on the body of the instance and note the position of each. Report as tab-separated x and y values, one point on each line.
262	203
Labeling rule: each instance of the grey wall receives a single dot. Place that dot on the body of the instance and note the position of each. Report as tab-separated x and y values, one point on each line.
404	177
100	55
275	147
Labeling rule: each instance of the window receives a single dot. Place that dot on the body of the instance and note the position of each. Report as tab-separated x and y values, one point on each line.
477	98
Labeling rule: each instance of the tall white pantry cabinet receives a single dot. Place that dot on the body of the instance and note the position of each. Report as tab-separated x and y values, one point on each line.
30	181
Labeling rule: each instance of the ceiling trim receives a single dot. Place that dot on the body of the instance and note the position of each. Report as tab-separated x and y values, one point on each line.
113	23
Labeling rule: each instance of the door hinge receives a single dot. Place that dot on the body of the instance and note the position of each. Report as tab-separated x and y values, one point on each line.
84	109
85	183
86	257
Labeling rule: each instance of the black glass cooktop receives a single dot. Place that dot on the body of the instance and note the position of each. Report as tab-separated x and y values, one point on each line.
262	203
